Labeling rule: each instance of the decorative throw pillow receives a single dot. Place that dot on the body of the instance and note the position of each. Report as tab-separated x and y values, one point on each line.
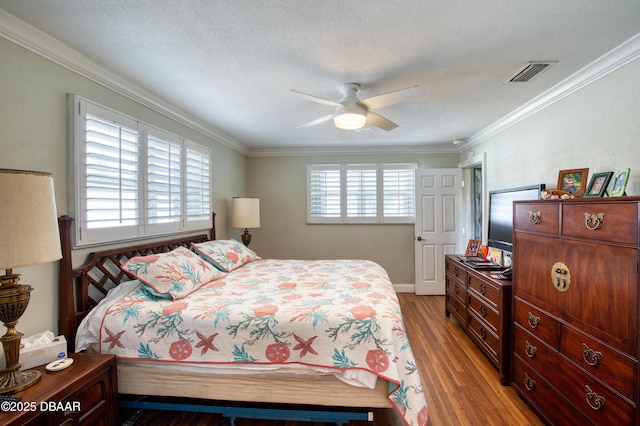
225	255
175	274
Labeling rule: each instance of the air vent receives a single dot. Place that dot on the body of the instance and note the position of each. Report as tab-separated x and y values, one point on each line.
529	72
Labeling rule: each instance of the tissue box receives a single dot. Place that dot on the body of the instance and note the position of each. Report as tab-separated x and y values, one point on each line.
43	354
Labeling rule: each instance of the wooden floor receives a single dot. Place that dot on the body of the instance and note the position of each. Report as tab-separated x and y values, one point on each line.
461	385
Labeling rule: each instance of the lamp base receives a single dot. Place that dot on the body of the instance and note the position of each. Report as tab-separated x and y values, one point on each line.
14	299
246	237
17	380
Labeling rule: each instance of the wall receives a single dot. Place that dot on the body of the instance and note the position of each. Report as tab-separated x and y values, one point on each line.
33	136
597	127
280	183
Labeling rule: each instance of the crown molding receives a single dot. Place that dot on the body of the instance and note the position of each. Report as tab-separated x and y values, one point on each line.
29	37
620	56
353	150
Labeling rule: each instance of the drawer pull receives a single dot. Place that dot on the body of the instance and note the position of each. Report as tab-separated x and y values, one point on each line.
594	400
593	221
456	289
535	218
483	311
483	289
456	271
456	306
533	320
560	276
590	356
529	349
529	383
483	333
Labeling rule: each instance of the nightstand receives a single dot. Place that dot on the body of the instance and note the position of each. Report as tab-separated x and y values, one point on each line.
84	393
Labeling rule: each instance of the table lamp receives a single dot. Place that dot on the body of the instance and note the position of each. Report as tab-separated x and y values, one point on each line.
28	236
245	213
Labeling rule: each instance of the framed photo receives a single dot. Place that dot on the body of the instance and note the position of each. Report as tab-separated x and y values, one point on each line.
473	248
495	255
620	179
573	181
598	184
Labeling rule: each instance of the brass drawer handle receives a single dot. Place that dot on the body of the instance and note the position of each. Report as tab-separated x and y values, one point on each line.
456	271
535	218
483	289
529	383
593	221
456	289
533	321
483	311
483	333
456	306
590	356
560	276
594	400
529	349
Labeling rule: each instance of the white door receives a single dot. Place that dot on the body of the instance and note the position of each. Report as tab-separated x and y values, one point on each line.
438	201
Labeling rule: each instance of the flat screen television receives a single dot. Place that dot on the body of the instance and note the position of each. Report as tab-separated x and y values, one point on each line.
501	213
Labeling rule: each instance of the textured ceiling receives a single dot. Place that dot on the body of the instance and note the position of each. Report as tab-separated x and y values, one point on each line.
230	64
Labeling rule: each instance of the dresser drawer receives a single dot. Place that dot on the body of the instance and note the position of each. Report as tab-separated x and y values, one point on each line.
537	217
596	400
537	354
456	272
619	223
537	322
544	398
457	290
610	366
484	311
487	339
457	308
486	290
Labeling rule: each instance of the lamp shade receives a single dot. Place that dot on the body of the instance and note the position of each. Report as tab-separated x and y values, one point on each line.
28	219
245	212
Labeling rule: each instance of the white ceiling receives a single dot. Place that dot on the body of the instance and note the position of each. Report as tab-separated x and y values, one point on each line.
230	64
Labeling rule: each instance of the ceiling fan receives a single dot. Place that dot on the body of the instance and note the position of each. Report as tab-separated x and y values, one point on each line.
351	113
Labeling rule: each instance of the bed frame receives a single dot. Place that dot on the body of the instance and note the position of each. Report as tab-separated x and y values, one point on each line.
80	289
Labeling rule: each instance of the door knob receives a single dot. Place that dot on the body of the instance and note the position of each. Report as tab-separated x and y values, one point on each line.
419	238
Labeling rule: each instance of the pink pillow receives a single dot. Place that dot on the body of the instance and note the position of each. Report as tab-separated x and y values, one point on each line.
225	255
175	274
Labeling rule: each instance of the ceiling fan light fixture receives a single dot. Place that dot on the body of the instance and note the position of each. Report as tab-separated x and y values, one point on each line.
349	118
350	121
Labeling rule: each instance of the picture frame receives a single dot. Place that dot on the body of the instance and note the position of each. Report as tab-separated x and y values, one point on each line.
495	255
598	184
620	180
473	248
573	181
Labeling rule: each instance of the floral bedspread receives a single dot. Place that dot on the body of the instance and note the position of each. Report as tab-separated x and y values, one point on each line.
341	314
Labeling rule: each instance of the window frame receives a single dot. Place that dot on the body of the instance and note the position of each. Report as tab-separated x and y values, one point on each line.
343	215
86	236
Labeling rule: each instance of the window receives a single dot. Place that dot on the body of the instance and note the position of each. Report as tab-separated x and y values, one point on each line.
134	180
360	193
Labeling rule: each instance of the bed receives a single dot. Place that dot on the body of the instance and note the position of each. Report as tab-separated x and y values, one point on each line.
323	333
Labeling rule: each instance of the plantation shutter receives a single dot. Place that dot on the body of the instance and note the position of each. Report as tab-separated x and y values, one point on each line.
361	191
198	184
324	192
111	173
164	177
399	192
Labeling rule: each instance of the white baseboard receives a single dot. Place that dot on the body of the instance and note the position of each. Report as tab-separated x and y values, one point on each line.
404	288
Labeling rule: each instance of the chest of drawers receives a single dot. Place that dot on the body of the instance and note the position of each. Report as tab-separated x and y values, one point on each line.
575	311
482	306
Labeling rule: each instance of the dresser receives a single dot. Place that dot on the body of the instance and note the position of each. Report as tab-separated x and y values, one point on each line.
575	309
482	306
85	393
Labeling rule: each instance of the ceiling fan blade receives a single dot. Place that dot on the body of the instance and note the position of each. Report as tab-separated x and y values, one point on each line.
391	98
379	121
314	98
314	122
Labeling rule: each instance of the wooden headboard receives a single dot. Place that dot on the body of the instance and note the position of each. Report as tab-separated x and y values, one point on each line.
81	289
